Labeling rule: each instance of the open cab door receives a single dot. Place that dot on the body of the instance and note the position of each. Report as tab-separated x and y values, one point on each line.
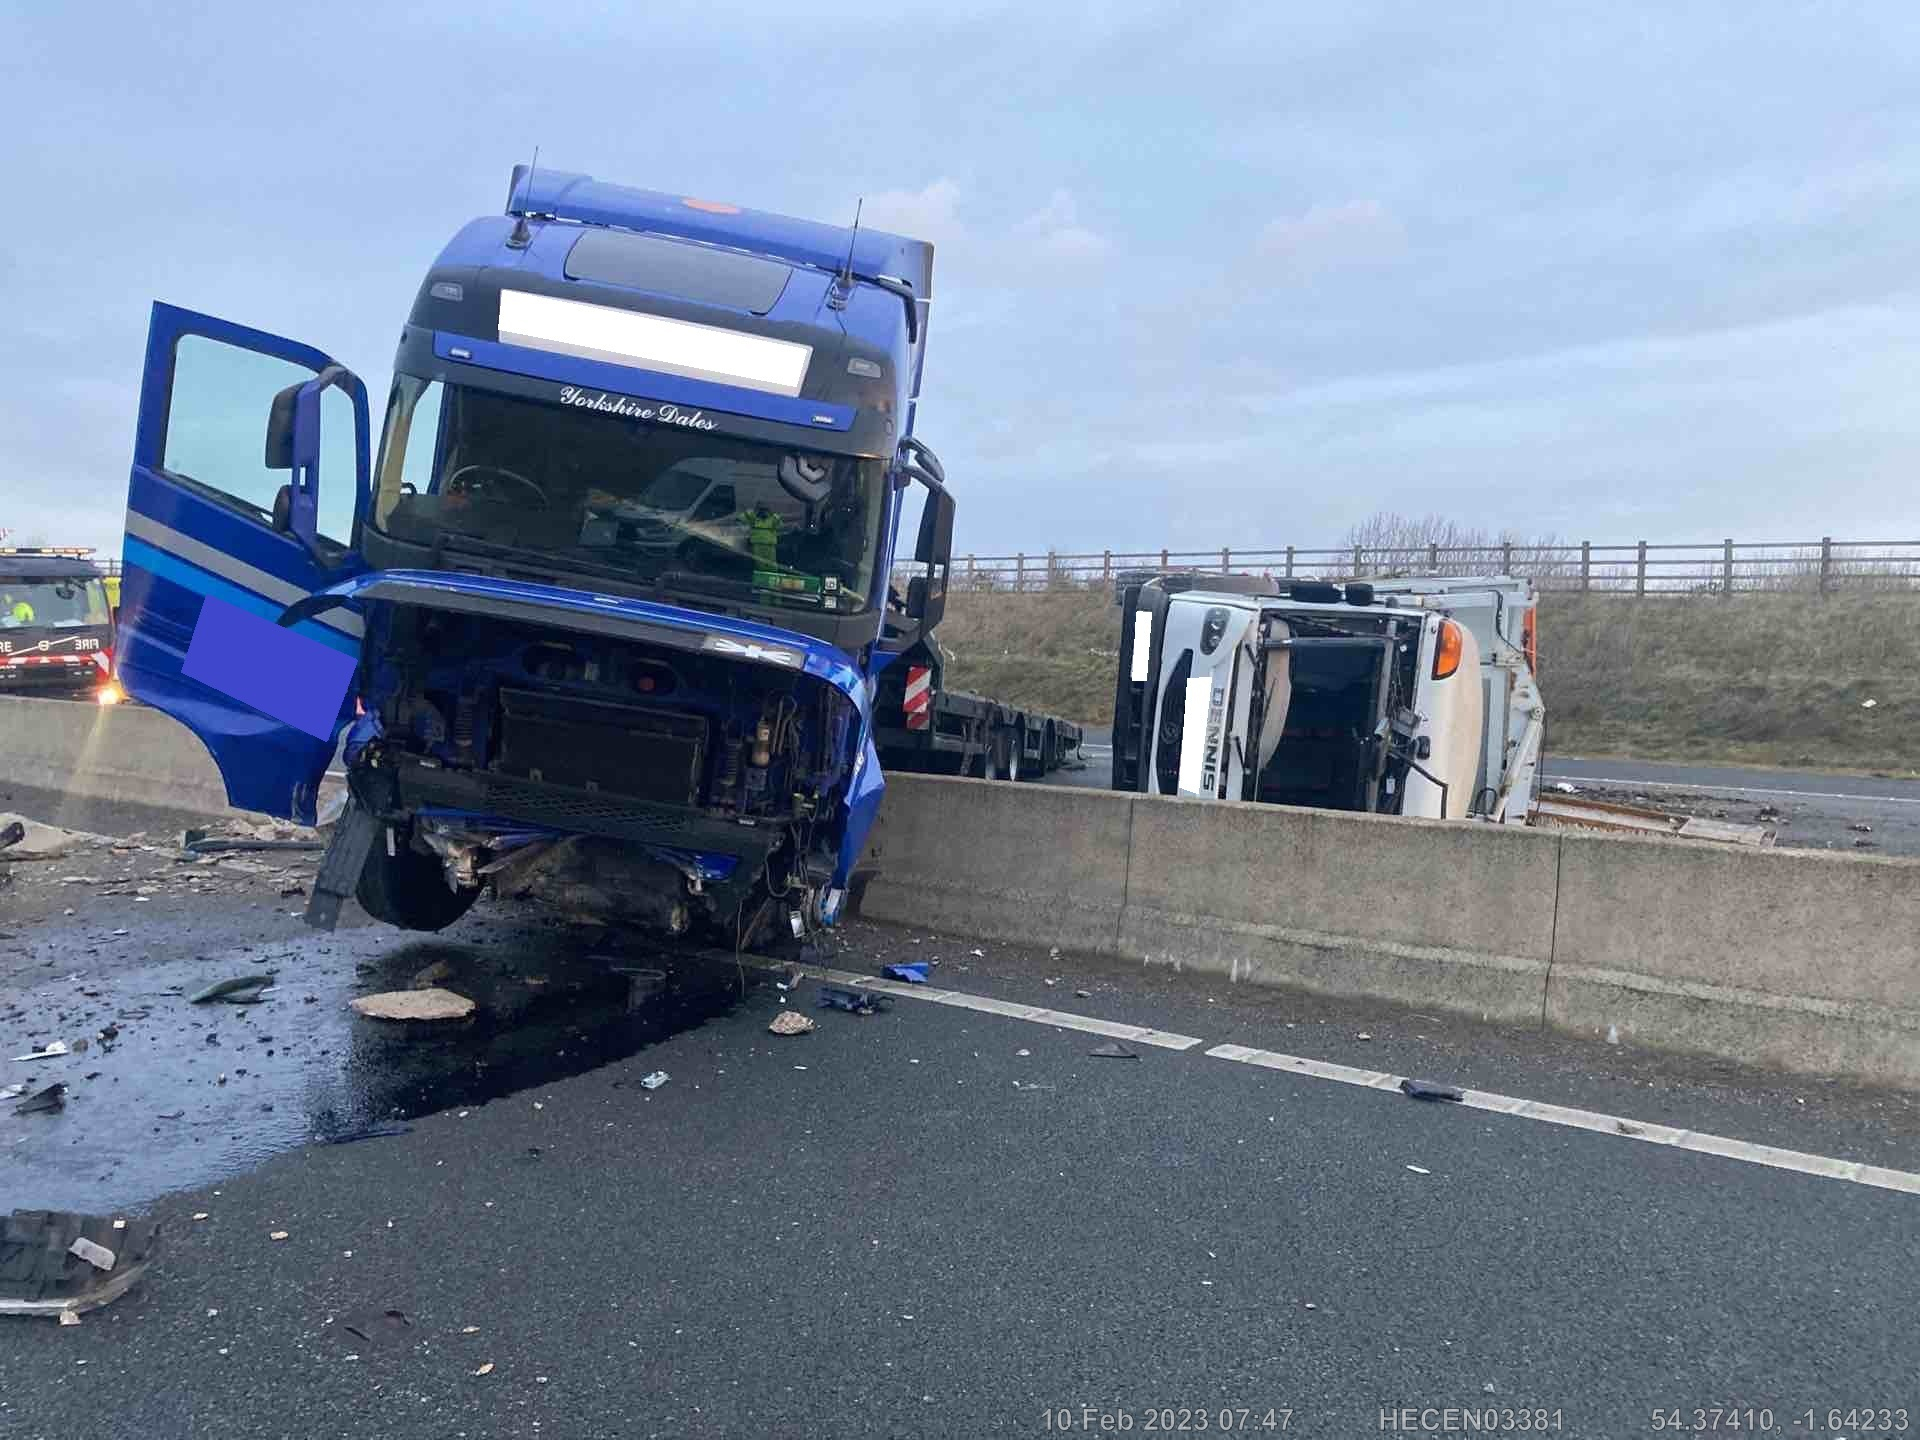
231	517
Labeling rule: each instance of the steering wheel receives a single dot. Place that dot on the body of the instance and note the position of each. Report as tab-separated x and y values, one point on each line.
454	486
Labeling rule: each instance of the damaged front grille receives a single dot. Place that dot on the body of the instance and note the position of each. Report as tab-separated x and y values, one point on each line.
628	750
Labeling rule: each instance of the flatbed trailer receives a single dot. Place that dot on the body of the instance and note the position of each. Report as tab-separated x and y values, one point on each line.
921	725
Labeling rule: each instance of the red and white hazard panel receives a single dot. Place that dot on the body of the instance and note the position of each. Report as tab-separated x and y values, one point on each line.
919	704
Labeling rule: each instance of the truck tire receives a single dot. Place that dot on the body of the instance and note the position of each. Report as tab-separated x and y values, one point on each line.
408	889
1003	755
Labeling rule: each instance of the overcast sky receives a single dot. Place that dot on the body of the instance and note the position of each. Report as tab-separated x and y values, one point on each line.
1205	275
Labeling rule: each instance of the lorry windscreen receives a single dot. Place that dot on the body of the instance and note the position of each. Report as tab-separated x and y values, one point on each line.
63	603
608	492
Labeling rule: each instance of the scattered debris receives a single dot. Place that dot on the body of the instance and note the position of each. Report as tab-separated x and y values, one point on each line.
47	1101
94	1253
1627	1127
978	954
366	1132
914	974
854	1002
53	1051
1862	828
12	1092
35	841
1023	1052
1418	1170
486	1369
1053	952
1363	1035
654	1080
240	990
1083	994
375	1325
1565	788
432	1003
1427	1090
790	1022
1868	704
278	1235
1113	1050
56	1263
431	975
14	832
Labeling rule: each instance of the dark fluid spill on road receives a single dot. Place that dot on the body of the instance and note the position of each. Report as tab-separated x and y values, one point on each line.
188	1094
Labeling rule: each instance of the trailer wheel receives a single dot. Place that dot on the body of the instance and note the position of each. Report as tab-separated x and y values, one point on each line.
1003	755
408	889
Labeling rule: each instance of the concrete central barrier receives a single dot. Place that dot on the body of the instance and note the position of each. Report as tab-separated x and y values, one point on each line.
1800	961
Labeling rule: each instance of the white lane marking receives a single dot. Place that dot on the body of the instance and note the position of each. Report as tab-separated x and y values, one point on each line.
1825	1166
1038	1014
1734	789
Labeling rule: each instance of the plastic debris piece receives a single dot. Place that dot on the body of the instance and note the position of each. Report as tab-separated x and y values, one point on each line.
1868	704
1363	1035
1428	1090
53	1051
240	990
1023	1053
790	1022
96	1255
1113	1050
13	1091
367	1132
278	1235
654	1080
432	1003
1566	789
69	1317
47	1101
914	974
1418	1171
1083	994
854	1002
55	1263
486	1369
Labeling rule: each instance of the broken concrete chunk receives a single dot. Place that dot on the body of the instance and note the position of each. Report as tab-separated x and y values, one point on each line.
790	1022
432	1003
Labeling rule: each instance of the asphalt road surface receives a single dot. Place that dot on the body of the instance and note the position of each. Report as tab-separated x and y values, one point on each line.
948	1218
1807	809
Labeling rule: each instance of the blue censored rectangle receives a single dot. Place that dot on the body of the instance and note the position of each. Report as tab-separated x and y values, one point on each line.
297	681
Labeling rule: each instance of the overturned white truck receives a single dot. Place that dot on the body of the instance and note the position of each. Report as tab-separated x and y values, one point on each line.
1407	696
1402	697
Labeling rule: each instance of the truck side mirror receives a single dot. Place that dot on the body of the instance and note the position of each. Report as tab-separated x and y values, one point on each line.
293	443
927	591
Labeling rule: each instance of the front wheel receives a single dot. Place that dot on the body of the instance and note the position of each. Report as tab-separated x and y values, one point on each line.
408	889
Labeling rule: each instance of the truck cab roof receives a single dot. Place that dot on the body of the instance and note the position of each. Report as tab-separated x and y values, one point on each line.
840	316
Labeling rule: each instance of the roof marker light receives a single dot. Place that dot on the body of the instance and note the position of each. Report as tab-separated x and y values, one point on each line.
447	290
868	368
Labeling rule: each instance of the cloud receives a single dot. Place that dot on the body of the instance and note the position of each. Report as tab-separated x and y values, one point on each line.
1329	237
1055	232
929	213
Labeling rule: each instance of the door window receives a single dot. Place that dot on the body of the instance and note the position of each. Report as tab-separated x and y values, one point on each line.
217	431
